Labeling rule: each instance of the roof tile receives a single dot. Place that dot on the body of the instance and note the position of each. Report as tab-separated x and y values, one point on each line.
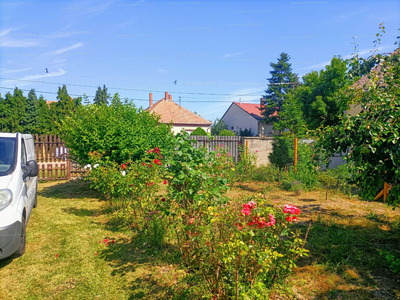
170	111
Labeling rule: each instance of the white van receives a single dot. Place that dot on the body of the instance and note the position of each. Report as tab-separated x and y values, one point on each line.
18	190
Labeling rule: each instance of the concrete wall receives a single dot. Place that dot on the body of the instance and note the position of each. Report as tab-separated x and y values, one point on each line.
263	146
238	118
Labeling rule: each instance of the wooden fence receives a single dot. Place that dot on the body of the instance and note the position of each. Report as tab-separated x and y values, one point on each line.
54	164
52	158
230	143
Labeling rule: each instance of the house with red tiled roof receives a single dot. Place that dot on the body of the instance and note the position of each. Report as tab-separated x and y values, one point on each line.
241	116
48	102
180	117
365	82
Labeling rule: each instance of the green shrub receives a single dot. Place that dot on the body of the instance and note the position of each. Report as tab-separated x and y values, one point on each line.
120	132
226	132
267	173
199	131
280	155
246	164
343	177
297	187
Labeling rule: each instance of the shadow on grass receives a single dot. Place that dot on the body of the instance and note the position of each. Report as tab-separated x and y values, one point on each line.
83	212
150	271
248	187
308	200
6	261
70	189
352	252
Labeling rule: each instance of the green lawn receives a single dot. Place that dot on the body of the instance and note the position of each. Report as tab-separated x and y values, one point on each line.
69	222
72	222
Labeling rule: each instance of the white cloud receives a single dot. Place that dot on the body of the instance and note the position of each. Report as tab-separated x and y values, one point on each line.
59	72
17	43
5	40
347	16
5	32
232	54
9	71
360	53
60	51
161	70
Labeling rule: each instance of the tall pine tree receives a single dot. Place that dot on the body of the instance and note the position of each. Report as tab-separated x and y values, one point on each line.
45	123
281	82
101	96
14	111
63	107
31	115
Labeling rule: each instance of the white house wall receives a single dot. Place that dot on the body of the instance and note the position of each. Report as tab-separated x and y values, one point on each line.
188	128
238	118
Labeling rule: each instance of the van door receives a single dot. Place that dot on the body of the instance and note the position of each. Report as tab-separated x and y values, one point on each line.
31	181
28	201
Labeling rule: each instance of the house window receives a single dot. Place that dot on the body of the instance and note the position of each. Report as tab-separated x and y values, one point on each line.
232	127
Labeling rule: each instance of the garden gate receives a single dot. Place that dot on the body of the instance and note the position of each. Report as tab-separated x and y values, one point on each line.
52	158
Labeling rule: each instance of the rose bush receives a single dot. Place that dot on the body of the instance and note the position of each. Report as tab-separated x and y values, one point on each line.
238	249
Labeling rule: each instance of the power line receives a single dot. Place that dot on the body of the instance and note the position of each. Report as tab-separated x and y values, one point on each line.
131	99
130	89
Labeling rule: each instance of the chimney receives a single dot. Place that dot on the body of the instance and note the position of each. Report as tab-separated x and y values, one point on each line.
150	99
262	105
166	96
170	98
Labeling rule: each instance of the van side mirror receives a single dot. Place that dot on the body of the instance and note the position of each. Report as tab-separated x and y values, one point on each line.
35	169
30	169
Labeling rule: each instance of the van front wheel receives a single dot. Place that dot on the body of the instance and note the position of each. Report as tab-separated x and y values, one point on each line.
22	243
35	201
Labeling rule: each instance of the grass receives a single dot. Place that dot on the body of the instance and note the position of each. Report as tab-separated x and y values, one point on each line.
344	241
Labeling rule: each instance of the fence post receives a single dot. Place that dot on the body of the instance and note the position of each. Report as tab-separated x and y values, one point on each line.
295	154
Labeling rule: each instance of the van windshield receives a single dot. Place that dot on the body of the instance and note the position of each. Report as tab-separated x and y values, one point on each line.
7	155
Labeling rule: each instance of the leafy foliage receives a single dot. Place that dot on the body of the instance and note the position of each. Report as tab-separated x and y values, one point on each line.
13	111
318	95
120	132
199	131
373	135
226	132
218	126
291	116
245	132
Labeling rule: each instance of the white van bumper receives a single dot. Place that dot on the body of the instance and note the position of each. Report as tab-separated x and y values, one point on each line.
10	237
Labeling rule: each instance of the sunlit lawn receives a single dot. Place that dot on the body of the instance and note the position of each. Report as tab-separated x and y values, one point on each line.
71	221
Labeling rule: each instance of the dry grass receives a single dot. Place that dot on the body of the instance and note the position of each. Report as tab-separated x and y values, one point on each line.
344	240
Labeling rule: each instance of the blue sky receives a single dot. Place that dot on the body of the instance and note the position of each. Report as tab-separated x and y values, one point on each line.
217	51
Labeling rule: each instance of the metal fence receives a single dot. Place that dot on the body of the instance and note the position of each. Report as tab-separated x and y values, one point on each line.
230	143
